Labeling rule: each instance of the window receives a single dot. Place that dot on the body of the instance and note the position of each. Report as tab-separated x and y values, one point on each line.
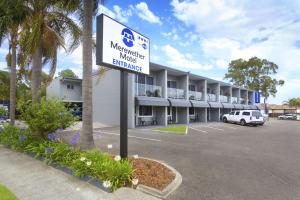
231	113
246	113
237	113
143	79
172	84
145	111
70	86
192	88
191	111
149	80
256	114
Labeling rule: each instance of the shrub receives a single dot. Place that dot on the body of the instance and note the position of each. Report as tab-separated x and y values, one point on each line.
15	138
3	112
101	166
47	116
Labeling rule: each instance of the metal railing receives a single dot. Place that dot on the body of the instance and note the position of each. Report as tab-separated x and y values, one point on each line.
193	95
224	99
148	90
211	97
174	93
234	100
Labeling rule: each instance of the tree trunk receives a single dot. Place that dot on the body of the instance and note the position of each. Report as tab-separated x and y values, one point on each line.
266	107
13	75
86	138
36	73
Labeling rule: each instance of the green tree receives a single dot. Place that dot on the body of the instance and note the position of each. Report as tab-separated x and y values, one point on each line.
255	74
4	85
293	102
68	73
12	17
47	26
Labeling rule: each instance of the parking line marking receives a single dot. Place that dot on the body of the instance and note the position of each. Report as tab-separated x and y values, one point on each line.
198	130
212	128
130	136
226	126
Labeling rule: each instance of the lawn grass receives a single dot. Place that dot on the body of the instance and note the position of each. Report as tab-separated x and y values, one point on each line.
181	130
5	194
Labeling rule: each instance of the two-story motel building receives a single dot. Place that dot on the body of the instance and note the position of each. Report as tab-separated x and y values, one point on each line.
166	96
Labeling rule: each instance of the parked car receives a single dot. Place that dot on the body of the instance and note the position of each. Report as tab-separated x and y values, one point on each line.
244	117
288	117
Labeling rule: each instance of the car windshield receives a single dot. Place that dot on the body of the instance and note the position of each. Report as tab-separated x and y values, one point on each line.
256	114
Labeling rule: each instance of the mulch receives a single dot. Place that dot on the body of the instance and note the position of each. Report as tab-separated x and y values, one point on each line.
151	173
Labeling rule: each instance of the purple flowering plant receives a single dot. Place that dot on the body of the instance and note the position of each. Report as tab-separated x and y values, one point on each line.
75	139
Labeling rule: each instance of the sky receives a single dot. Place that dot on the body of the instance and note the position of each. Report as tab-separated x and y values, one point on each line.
203	36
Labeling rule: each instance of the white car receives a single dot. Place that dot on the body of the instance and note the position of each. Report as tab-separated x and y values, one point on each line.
244	117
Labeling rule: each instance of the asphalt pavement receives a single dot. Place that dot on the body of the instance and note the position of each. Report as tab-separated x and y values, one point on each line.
223	161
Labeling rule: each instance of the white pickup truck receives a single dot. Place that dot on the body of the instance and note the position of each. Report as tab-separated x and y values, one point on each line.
244	117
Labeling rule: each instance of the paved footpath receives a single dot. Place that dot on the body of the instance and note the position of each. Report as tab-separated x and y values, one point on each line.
31	179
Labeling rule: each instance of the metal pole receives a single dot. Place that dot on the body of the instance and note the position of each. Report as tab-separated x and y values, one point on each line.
124	114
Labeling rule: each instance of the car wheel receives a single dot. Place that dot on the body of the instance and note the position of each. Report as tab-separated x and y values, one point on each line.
243	122
225	120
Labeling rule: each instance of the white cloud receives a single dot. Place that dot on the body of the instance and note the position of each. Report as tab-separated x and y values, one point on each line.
144	13
118	13
155	47
243	29
3	65
207	14
288	91
177	59
122	15
73	61
3	51
171	35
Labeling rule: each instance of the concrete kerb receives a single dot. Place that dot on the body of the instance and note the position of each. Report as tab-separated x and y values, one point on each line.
168	190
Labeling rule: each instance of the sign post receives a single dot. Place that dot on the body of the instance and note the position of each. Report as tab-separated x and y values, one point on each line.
124	49
124	114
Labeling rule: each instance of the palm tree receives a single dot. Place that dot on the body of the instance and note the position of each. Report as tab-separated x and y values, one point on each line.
86	139
47	25
12	16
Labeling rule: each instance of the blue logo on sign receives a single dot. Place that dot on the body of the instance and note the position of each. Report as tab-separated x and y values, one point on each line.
257	97
144	46
128	37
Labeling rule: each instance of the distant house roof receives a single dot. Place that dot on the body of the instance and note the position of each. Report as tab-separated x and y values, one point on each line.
280	107
70	79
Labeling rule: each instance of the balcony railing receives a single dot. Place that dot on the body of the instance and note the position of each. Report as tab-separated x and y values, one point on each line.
224	99
148	90
243	100
234	100
193	95
211	97
174	93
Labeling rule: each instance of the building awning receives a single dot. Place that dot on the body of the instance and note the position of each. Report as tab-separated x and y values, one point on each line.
151	101
247	107
238	106
215	104
253	107
227	105
199	104
179	103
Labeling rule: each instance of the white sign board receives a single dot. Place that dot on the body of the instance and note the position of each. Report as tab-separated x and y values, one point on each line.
121	47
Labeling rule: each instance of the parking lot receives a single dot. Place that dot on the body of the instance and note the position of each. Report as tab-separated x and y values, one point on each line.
223	161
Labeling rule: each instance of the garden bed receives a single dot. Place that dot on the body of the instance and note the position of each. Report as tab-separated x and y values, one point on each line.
152	173
91	165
